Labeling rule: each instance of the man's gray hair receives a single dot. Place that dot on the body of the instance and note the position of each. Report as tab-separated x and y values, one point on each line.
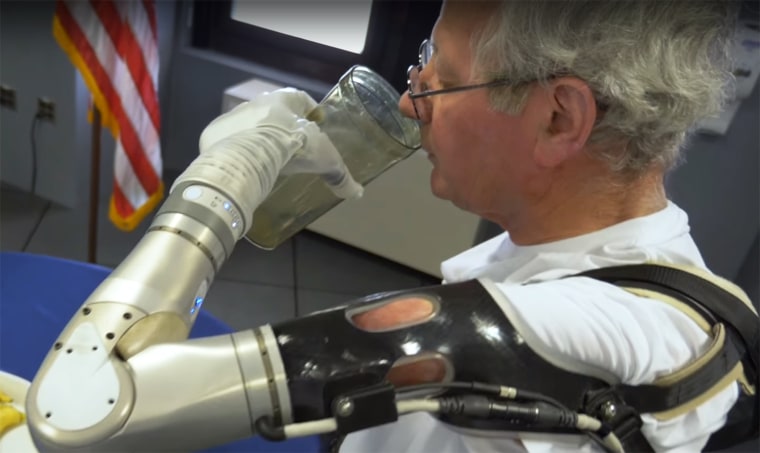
655	67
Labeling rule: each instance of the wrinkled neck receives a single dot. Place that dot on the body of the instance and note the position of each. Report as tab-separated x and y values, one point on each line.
578	204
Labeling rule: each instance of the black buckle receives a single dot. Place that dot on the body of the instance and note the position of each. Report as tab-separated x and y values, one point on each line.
606	405
365	407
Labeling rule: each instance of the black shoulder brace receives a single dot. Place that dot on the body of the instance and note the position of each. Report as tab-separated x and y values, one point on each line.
723	306
326	356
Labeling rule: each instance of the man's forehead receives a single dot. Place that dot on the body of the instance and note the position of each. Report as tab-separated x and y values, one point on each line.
460	19
468	11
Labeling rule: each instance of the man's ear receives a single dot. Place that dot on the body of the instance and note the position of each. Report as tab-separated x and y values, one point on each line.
569	115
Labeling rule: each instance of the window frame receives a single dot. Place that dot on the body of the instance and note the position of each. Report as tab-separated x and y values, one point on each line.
394	32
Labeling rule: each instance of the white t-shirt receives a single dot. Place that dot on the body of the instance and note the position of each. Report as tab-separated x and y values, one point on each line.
611	332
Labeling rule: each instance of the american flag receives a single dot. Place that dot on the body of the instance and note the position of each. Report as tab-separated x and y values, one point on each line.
114	45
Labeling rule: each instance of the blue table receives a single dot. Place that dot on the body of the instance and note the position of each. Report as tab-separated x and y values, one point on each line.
39	294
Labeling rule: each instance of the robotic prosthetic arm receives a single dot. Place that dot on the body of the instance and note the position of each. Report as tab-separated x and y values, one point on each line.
122	376
119	376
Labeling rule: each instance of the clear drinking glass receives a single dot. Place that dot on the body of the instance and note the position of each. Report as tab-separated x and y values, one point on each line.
361	116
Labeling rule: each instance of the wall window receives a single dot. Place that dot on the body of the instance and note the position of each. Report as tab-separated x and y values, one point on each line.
342	25
318	39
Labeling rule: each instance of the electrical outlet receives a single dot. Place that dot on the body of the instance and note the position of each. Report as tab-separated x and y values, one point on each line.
8	97
46	109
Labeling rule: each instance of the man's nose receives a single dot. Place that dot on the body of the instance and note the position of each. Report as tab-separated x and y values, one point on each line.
405	105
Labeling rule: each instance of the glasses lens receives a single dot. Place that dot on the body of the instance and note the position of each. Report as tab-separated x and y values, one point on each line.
426	52
420	104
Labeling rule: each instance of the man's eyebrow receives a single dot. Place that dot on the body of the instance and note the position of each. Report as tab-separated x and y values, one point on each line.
440	64
442	67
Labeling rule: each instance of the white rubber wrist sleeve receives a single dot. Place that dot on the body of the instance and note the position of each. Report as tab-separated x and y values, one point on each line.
245	165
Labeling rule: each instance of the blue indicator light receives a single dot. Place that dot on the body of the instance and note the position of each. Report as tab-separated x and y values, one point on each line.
227	205
197	305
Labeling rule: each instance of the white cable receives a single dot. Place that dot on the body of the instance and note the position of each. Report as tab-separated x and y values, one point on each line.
612	441
587	423
418	405
326	425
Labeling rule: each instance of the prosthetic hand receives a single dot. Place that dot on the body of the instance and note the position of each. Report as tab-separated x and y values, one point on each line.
245	150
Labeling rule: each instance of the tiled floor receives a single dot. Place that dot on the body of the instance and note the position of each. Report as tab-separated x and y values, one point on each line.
305	274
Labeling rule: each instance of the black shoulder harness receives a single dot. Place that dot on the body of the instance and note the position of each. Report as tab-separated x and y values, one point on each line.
329	359
718	306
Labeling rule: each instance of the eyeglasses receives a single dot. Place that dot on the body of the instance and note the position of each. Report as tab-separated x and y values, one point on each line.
417	91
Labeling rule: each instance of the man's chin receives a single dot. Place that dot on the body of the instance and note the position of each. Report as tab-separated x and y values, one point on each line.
441	192
437	188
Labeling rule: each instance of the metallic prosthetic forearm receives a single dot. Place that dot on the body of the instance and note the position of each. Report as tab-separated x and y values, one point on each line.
84	390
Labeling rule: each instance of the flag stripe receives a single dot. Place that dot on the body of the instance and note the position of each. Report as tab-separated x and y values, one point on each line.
134	109
82	48
129	222
125	176
141	29
115	48
123	206
143	168
131	52
151	19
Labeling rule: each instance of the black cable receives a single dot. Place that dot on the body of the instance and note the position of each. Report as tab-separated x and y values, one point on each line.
527	395
479	387
537	415
36	226
495	390
489	389
33	136
294	259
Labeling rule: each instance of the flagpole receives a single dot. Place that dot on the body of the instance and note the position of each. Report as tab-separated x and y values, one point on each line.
92	237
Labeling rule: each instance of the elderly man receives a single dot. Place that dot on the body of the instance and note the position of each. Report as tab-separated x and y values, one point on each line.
555	119
558	121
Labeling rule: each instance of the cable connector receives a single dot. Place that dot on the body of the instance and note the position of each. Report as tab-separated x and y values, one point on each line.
266	428
536	414
364	408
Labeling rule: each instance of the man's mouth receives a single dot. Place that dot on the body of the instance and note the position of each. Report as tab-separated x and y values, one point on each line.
427	150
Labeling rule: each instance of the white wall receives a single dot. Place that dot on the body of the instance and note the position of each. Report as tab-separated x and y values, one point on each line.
33	64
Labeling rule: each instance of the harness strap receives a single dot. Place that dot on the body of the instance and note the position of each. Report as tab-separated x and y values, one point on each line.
703	295
664	399
734	325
